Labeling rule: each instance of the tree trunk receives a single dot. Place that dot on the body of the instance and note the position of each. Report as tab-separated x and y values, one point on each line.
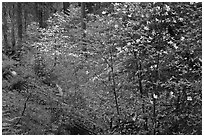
39	11
25	17
5	28
36	12
83	16
41	16
19	23
155	93
114	89
13	38
83	26
66	8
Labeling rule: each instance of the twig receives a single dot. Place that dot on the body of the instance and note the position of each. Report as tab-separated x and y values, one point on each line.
24	108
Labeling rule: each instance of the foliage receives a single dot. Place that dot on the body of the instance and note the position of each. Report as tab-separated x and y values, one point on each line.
137	70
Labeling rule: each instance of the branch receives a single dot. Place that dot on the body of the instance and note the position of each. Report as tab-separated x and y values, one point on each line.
24	108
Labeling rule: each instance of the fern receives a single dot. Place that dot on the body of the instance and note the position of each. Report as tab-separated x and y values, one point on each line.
7	62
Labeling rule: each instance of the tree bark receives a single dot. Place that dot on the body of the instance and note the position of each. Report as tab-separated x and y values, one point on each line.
5	28
83	26
36	12
114	89
66	8
39	11
13	38
83	16
20	26
155	92
25	17
41	16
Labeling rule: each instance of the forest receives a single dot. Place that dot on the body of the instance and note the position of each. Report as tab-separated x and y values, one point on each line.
101	68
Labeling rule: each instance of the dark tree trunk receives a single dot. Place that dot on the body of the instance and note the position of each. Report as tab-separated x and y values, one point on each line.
83	26
83	16
41	17
36	12
25	17
66	7
39	11
90	7
155	92
19	23
13	38
5	28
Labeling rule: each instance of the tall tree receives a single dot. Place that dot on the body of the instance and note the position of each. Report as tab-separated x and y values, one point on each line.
25	15
20	25
36	11
5	27
13	39
83	16
66	7
40	12
83	26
